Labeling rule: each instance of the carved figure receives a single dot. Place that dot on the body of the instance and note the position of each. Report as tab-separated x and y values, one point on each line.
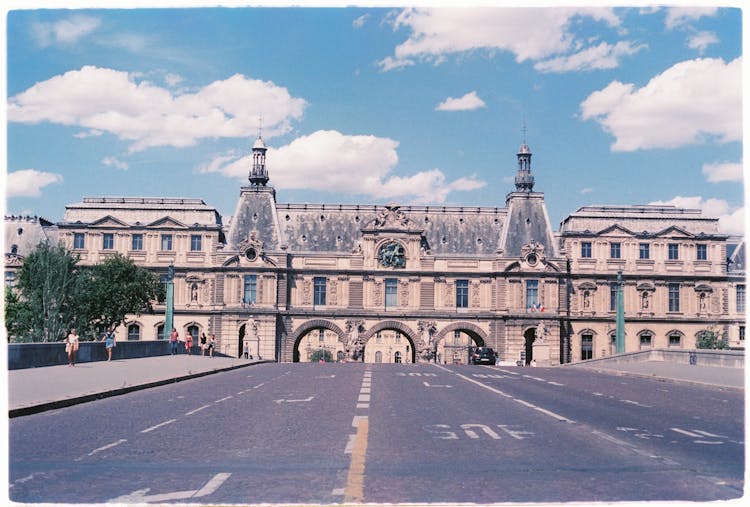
541	332
392	255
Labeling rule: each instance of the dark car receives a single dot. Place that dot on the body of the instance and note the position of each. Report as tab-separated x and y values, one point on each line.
483	355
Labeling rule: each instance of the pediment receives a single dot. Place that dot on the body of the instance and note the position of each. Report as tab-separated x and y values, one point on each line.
616	229
392	219
167	222
108	221
674	232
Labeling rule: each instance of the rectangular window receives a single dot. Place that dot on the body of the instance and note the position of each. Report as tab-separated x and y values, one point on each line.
108	241
456	337
675	340
462	293
136	242
674	297
196	243
79	241
10	278
587	346
673	251
614	250
644	251
391	293
249	292
740	298
645	341
701	252
319	291
613	297
166	242
134	332
321	335
532	294
742	333
586	249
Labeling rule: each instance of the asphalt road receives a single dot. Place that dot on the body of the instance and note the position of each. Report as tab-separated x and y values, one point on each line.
332	433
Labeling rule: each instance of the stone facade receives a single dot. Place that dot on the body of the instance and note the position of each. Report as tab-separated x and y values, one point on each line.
418	283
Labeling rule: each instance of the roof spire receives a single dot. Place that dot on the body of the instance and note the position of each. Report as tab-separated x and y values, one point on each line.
524	179
258	173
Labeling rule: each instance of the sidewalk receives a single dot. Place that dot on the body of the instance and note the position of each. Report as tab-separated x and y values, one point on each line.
35	390
672	372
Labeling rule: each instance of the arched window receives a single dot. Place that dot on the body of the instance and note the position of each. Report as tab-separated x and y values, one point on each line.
587	346
134	332
193	331
14	249
378	357
397	357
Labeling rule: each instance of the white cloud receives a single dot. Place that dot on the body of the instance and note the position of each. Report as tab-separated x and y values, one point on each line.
360	21
679	16
468	102
528	33
731	221
331	161
689	103
603	56
147	115
717	172
702	40
173	79
586	190
29	182
65	31
114	162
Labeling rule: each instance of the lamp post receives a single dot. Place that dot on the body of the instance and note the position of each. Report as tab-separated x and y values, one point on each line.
620	319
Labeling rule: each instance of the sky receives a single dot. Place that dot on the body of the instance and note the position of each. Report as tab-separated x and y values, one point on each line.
376	105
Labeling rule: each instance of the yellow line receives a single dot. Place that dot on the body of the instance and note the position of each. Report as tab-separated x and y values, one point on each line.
355	481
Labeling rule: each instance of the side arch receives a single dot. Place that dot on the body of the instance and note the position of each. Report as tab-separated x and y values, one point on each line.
476	333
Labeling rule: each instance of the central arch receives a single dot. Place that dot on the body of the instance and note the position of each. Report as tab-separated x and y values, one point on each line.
475	332
308	326
393	325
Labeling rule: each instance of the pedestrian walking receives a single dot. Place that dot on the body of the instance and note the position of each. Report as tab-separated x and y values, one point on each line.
211	346
110	342
246	350
173	336
203	342
71	347
188	343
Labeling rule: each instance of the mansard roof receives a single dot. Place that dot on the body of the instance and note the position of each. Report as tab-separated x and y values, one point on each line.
640	220
26	232
140	210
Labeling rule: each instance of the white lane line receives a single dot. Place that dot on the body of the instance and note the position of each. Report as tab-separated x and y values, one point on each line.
197	410
152	428
363	405
103	448
259	385
356	420
212	485
350	444
224	399
363	397
501	393
685	432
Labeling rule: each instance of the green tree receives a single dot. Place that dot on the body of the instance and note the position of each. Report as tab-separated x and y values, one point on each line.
115	288
321	354
42	309
710	339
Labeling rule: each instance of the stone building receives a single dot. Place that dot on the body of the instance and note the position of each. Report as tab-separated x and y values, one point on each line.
419	283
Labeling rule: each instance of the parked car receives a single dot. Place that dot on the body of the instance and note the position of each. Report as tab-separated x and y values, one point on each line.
483	355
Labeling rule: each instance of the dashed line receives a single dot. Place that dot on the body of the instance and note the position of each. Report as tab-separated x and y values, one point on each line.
225	398
197	410
103	448
259	385
152	428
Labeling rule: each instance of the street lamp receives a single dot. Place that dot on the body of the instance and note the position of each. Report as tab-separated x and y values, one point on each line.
620	319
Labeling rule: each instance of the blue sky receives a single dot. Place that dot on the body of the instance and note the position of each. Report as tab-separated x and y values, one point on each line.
361	105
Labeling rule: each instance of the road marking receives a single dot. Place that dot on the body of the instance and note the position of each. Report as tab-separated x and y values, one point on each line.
637	404
197	410
326	376
364	390
501	393
556	384
686	432
224	399
632	447
354	492
103	448
350	444
309	398
363	398
426	384
140	496
259	385
152	428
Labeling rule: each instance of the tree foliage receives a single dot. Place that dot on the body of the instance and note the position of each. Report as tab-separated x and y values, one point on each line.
710	339
323	354
46	287
54	293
